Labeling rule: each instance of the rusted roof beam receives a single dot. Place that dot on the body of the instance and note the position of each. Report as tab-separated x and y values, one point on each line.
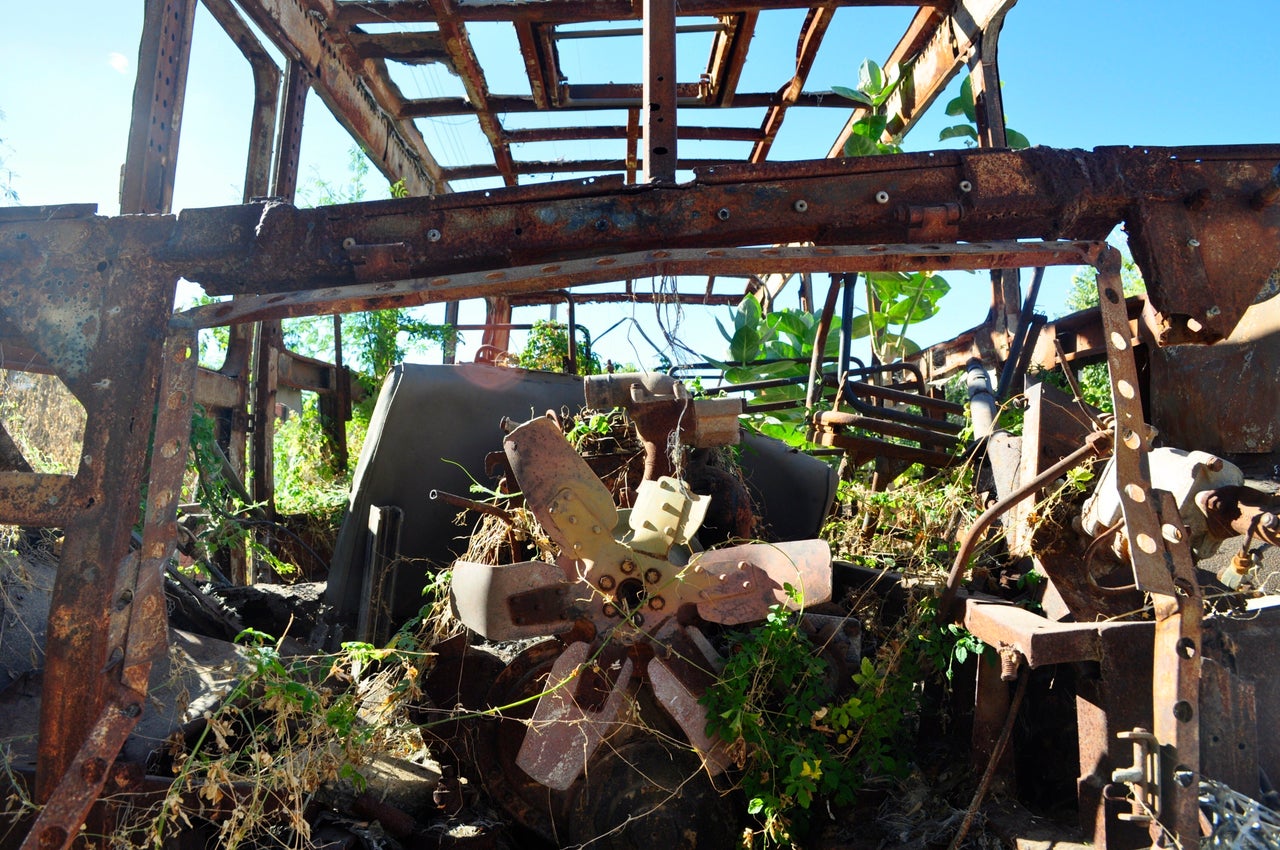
658	69
463	55
411	48
561	11
715	299
934	49
396	148
728	55
151	161
811	34
538	63
435	107
568	134
565	166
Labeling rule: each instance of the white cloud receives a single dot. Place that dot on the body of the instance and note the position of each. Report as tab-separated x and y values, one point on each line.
118	62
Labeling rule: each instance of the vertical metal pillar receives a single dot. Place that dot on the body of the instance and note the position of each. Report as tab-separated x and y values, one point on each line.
659	45
269	337
146	186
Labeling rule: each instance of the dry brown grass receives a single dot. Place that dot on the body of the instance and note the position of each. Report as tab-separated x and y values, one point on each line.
44	419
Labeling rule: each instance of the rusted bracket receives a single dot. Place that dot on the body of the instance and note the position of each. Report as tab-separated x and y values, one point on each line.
1163	567
59	822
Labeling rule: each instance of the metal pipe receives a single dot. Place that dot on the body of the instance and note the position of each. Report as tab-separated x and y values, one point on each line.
820	341
1097	443
982	402
846	325
472	504
1010	371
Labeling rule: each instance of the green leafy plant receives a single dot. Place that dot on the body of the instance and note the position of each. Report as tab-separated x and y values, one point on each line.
796	741
866	134
963	104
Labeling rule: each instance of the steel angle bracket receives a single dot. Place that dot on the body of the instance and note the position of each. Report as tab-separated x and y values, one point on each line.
579	709
1162	566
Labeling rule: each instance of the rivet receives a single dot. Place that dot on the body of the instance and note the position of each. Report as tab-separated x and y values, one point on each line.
966	186
1193	243
882	197
801	206
723	213
433	235
348	243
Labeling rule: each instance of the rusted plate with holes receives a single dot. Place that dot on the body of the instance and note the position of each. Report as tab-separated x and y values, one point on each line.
1133	439
59	821
584	701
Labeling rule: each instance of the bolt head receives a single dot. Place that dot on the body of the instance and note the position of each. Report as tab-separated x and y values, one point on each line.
607	582
628	566
652	575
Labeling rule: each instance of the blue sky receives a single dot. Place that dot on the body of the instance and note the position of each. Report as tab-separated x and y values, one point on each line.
1076	74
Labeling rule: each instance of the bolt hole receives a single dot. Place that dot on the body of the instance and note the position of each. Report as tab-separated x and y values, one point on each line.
1186	648
1183	712
630	594
1111	295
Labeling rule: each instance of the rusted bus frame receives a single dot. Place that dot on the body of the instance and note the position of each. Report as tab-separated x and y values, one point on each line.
366	105
985	194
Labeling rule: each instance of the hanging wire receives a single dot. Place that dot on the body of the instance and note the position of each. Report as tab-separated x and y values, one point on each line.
1236	822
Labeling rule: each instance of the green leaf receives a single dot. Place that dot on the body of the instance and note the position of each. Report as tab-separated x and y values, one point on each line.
861	326
854	95
966	99
745	345
870	78
958	131
871	126
1016	140
857	145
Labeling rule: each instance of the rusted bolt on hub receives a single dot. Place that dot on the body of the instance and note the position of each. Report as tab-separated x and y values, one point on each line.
628	566
652	575
657	603
607	582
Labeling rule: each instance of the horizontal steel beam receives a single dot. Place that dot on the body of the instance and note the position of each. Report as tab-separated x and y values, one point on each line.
622	96
561	11
1188	210
660	263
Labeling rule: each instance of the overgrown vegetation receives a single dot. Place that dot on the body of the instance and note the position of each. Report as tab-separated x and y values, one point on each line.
547	349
